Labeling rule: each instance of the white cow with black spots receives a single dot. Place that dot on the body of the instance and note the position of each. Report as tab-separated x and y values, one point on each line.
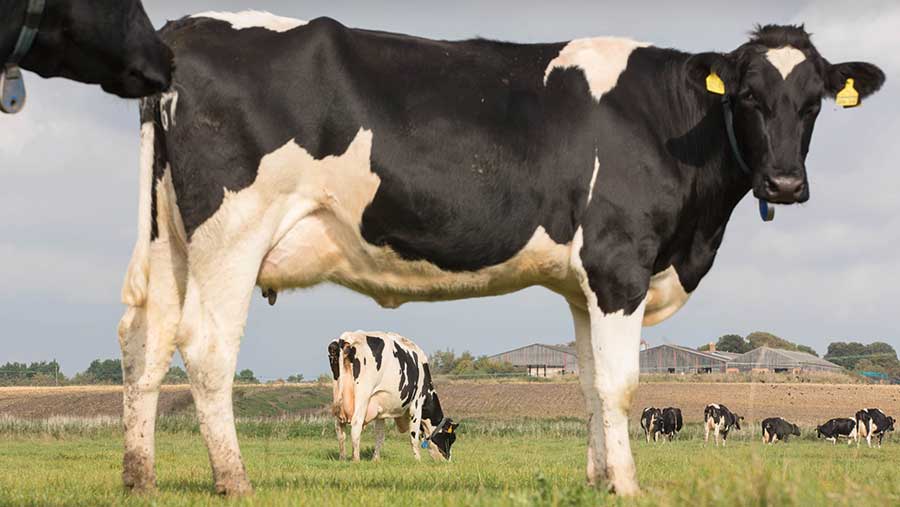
380	376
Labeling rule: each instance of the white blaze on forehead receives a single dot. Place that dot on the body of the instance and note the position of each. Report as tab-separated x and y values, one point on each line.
785	59
253	19
602	59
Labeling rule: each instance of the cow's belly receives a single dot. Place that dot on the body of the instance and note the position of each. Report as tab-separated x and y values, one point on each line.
665	297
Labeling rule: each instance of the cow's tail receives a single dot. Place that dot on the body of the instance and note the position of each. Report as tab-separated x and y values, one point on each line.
135	286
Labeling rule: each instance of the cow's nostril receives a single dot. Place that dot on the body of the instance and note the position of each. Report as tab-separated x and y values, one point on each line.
771	185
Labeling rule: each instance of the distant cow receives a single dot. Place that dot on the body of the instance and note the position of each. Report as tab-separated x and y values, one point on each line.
650	422
872	422
776	428
670	422
838	428
380	376
718	419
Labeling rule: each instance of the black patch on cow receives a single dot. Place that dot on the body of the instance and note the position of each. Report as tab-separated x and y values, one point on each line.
409	373
376	345
334	354
350	355
431	405
473	149
837	427
773	427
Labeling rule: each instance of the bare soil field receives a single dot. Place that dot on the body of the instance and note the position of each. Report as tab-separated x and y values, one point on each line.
802	403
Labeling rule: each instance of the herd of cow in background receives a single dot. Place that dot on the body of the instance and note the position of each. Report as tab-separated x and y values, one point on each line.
718	419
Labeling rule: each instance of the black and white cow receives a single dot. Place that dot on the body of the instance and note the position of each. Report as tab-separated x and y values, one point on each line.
838	428
107	42
718	419
872	422
650	422
290	154
670	422
380	376
776	428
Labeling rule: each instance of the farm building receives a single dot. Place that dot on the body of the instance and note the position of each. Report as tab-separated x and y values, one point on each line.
541	360
764	359
676	359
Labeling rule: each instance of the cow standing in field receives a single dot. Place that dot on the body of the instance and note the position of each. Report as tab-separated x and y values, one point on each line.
776	428
380	376
872	422
107	42
720	420
838	428
670	422
289	154
650	418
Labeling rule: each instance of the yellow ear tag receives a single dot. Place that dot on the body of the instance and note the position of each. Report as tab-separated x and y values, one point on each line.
450	429
848	97
715	84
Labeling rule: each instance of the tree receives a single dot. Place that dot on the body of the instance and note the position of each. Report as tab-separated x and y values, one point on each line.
175	375
442	362
729	343
764	339
877	356
100	371
295	379
246	377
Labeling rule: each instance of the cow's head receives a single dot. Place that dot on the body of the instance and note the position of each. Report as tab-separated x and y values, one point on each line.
737	421
107	42
819	433
444	436
795	430
889	426
776	83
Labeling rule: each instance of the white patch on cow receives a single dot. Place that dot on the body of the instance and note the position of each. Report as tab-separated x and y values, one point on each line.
253	19
593	178
602	59
665	296
615	340
168	104
785	59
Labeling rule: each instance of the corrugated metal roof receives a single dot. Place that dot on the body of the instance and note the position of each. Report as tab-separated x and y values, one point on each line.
690	351
767	355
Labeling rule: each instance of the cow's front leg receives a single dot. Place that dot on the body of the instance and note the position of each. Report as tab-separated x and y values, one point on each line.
147	339
379	439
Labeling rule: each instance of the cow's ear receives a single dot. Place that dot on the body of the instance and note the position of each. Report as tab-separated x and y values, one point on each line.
701	71
867	78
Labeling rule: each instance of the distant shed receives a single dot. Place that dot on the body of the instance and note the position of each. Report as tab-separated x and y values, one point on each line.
541	360
780	361
676	359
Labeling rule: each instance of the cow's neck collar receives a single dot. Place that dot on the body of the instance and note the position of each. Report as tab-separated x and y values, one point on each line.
766	212
12	93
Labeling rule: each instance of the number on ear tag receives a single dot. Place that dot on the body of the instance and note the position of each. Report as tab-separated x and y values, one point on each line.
715	84
848	97
12	90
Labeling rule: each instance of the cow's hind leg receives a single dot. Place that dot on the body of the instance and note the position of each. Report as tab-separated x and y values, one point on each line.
592	400
339	428
216	302
379	439
147	338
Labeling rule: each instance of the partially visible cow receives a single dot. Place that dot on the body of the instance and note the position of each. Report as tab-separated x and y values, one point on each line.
380	376
720	420
841	427
291	154
776	428
872	422
107	42
670	423
650	419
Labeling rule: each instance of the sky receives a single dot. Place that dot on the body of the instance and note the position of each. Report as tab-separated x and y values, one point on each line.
824	271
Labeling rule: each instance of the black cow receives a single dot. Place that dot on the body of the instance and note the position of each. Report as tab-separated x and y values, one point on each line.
838	428
720	420
290	154
776	428
671	422
107	42
872	422
650	422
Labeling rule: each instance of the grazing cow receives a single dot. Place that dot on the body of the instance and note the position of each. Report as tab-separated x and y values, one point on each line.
670	422
107	42
776	428
380	376
718	419
650	422
872	422
838	428
290	154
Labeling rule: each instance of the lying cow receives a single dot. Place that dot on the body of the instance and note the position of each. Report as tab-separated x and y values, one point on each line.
841	427
670	423
380	376
718	419
872	422
776	428
650	418
289	154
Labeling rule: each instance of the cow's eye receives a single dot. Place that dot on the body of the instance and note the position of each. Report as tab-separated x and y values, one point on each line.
750	100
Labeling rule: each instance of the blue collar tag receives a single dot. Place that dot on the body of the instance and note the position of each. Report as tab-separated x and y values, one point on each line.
12	90
766	211
424	444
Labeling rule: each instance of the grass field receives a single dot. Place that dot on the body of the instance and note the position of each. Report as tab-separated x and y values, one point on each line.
528	462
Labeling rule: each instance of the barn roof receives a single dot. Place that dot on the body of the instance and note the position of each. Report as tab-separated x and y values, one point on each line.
770	356
716	356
